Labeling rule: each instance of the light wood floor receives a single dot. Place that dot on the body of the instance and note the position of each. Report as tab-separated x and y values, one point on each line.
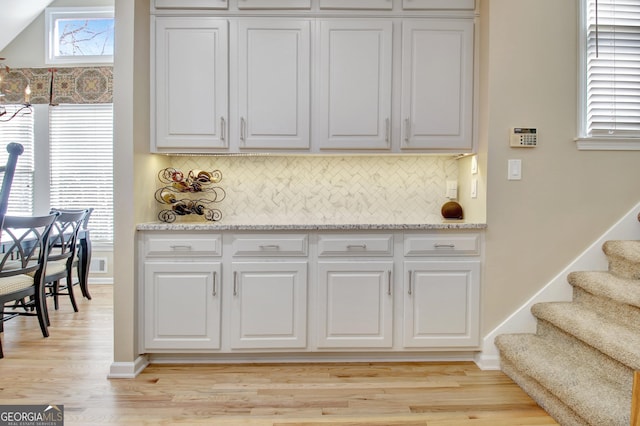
70	368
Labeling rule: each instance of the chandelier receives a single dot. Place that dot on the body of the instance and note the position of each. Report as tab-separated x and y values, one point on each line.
22	109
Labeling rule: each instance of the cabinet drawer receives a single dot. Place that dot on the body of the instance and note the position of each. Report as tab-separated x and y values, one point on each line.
183	245
191	4
438	4
355	245
274	4
357	4
267	245
429	245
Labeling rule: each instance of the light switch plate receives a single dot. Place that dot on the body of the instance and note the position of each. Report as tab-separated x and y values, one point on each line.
514	169
474	188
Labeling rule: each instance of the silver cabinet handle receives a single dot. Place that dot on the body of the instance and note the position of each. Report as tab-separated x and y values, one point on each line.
180	247
440	245
410	283
243	130
389	285
407	129
215	279
387	131
356	246
223	129
235	283
270	247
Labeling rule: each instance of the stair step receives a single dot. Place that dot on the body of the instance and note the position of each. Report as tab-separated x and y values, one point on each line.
616	340
624	257
605	284
573	382
545	399
568	344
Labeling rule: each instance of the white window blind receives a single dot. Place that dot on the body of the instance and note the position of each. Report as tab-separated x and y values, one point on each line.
613	68
19	129
81	155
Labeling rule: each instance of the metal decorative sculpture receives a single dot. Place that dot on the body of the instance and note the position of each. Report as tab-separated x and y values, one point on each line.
194	194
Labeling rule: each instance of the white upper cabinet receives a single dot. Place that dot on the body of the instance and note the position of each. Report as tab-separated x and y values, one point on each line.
437	84
355	82
190	109
273	84
313	76
438	4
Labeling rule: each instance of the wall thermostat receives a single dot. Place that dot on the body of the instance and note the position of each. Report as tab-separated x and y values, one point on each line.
523	137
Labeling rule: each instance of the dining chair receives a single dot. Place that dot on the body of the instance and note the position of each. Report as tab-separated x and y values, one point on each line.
82	259
62	254
25	246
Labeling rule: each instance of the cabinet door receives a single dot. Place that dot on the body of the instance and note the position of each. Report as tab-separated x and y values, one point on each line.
441	304
355	304
437	84
182	305
190	62
269	305
274	83
355	84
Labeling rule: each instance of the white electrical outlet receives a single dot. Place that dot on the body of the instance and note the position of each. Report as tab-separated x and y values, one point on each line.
474	165
474	188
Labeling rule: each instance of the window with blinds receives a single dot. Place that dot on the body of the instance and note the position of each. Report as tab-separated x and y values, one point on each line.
20	130
81	157
612	65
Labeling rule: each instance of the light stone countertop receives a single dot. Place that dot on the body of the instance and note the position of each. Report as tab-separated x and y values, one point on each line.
219	226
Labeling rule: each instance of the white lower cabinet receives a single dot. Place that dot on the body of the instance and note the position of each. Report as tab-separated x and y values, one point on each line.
441	303
269	305
182	305
299	292
355	304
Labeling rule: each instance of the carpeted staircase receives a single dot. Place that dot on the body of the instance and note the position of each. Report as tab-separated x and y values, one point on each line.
579	365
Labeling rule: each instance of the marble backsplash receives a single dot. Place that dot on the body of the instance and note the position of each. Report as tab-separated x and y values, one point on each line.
327	189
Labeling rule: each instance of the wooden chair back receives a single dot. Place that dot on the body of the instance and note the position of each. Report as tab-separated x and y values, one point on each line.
9	169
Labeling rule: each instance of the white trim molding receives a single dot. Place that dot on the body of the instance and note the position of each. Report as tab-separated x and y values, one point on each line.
128	370
608	144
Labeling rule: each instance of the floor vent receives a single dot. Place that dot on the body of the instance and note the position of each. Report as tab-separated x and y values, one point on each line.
98	265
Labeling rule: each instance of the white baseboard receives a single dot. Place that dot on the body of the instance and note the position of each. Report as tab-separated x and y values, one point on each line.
558	289
128	370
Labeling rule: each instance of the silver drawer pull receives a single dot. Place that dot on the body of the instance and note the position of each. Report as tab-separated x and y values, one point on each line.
180	247
356	246
215	276
270	247
449	246
235	283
